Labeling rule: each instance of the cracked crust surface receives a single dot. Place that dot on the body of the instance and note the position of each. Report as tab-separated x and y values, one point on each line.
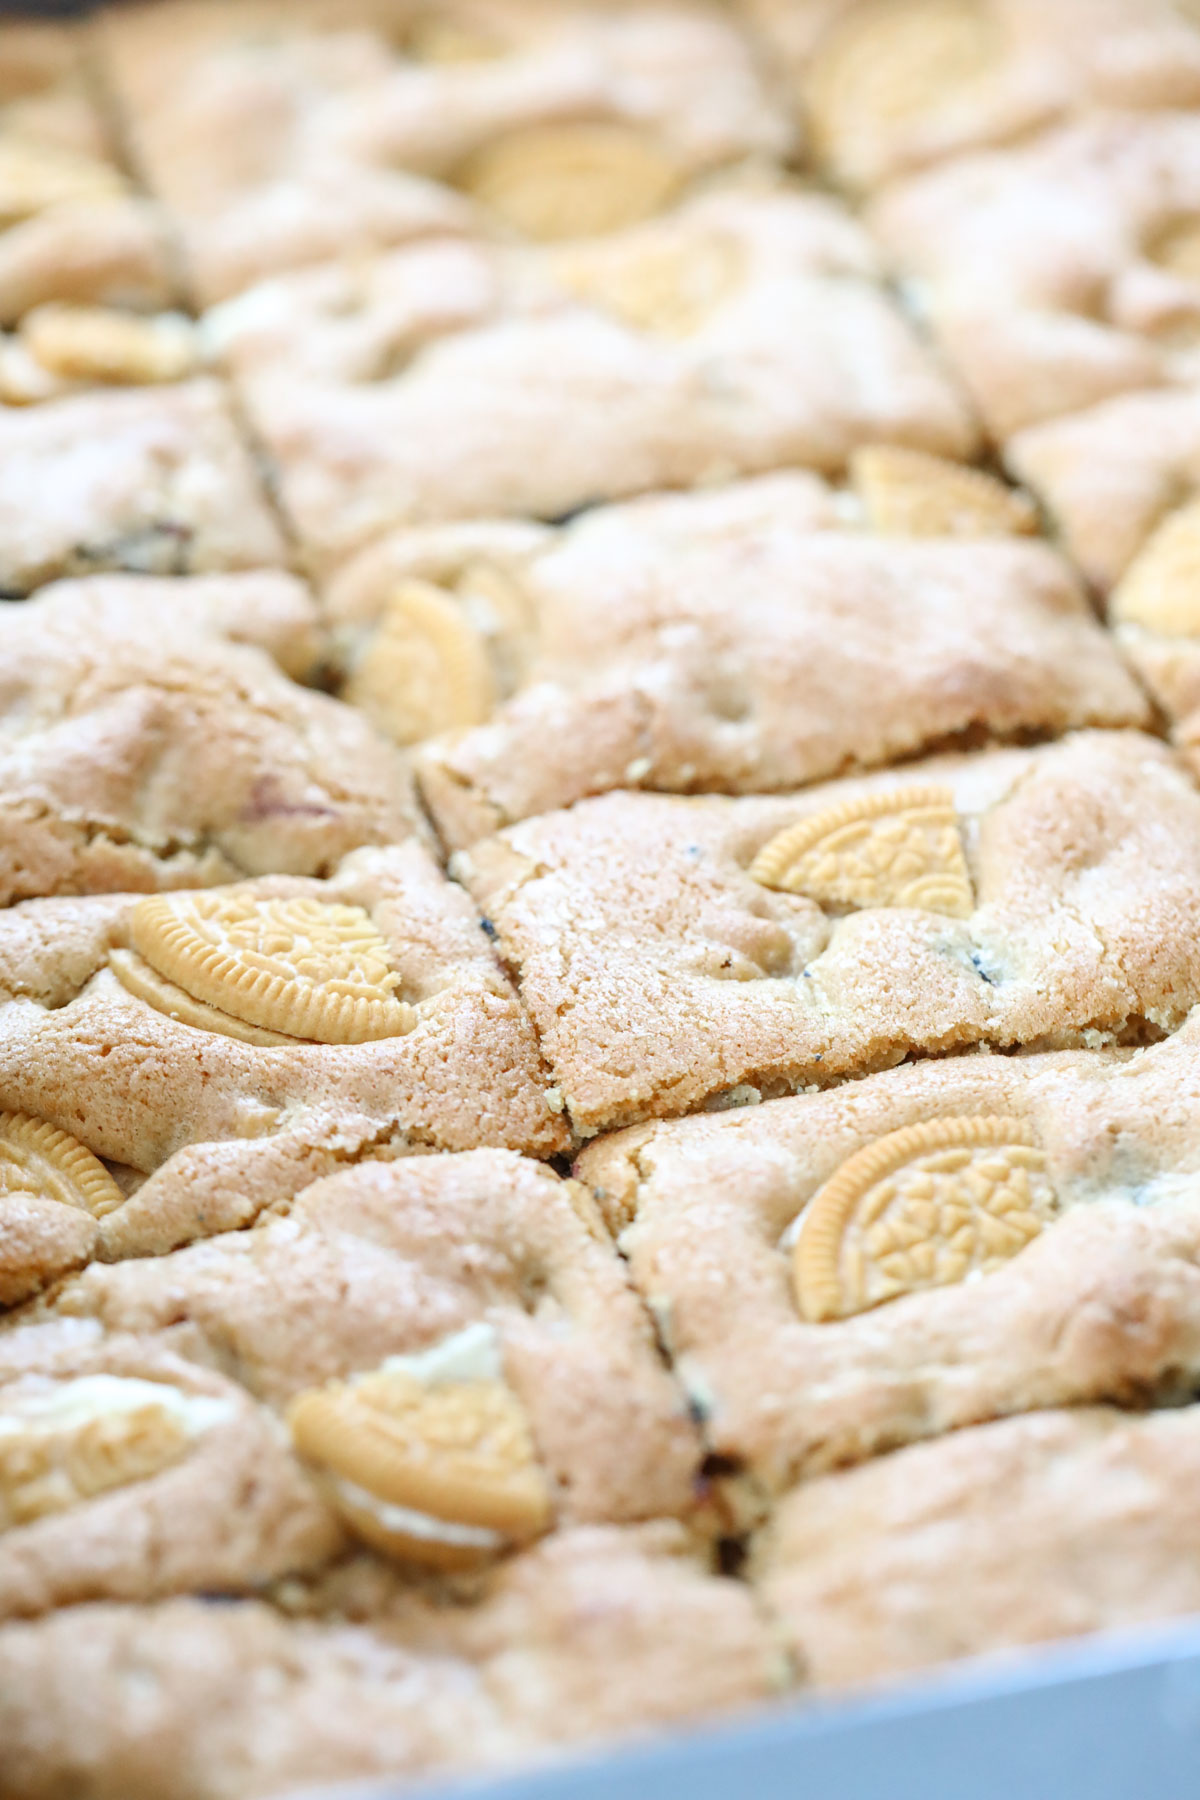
1059	274
283	135
890	87
1110	474
154	481
150	738
1056	1524
135	1085
597	1632
425	385
1119	483
732	642
72	227
232	1510
662	978
1103	1305
387	1259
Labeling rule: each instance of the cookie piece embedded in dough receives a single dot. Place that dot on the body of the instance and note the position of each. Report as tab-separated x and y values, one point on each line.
426	670
457	1065
128	1473
910	494
37	1158
365	127
927	1205
461	381
1160	590
1102	1303
436	1271
889	68
662	976
441	1472
573	180
898	848
311	969
91	344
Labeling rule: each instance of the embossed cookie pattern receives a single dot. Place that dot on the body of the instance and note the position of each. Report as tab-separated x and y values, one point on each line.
899	848
892	61
288	968
76	1439
443	1474
908	493
572	180
38	1159
925	1206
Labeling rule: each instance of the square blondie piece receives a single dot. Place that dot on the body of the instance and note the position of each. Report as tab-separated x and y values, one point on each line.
352	128
1061	272
435	1270
71	226
677	953
152	480
1119	483
1058	1524
128	1473
597	1632
152	736
738	640
839	1273
745	331
368	1006
889	85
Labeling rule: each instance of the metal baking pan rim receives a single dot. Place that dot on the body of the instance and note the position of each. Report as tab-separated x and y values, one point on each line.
1111	1717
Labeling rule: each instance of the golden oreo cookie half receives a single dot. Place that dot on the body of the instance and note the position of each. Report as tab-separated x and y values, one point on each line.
1160	589
901	847
577	179
37	1158
925	1206
76	1439
443	1474
426	669
909	493
290	968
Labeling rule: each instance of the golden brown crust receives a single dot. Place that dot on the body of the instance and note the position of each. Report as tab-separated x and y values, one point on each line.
150	737
1055	271
151	480
1054	1525
662	978
741	639
468	1072
368	126
399	1259
426	384
1103	1304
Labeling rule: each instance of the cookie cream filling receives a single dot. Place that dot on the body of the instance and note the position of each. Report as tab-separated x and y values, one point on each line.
472	1354
73	1404
407	1522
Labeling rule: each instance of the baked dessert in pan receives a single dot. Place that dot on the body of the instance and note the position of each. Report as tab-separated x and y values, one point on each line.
599	867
